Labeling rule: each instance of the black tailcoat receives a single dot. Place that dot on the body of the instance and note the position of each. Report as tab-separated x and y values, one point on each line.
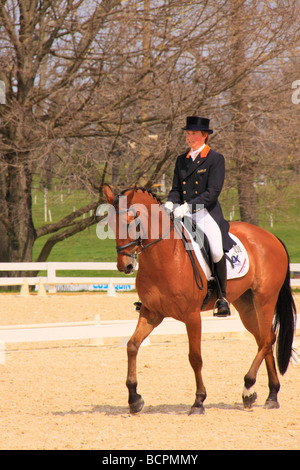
200	182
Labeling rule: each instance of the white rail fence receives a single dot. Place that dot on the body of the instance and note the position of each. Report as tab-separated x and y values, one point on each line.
95	331
51	280
295	268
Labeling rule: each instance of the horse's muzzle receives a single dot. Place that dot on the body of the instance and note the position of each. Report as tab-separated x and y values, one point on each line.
126	265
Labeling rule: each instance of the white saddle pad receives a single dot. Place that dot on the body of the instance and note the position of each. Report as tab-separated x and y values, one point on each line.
238	266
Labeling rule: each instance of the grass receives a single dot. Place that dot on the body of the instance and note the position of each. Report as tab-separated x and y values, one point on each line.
86	246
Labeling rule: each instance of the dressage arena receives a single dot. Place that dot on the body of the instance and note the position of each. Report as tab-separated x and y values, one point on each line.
72	394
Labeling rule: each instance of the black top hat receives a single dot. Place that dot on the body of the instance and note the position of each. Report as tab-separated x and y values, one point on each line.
195	123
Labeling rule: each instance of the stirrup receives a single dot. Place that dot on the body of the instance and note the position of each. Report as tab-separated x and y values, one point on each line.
226	313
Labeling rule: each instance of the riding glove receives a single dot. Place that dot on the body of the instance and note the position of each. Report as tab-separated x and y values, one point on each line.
181	210
169	206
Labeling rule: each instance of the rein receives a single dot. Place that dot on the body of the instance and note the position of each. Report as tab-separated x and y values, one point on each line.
197	273
140	247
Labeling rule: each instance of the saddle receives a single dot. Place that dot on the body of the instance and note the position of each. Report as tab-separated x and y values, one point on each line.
237	260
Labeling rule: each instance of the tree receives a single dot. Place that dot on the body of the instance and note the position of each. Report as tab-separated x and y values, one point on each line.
99	90
45	56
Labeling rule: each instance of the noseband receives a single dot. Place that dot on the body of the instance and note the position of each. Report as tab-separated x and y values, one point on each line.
133	255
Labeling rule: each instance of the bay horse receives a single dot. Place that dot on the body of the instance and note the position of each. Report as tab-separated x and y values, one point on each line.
166	287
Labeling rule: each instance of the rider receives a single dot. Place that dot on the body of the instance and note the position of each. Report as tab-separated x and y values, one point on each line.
198	179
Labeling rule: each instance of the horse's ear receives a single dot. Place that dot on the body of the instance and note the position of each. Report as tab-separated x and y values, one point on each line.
107	191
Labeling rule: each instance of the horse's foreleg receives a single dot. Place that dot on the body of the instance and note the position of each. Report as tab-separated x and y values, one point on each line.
193	327
247	312
146	323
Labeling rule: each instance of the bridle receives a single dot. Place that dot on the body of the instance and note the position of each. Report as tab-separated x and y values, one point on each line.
140	247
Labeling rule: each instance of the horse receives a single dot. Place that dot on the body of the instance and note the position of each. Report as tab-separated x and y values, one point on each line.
167	287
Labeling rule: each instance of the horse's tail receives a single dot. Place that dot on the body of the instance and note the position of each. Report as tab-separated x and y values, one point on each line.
285	321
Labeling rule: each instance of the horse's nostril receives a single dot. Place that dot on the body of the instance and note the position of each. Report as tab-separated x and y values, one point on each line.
129	268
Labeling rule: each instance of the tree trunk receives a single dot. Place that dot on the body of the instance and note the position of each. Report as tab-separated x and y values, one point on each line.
16	228
243	156
247	194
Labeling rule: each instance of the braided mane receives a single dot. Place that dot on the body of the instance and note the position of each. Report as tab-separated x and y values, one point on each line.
137	188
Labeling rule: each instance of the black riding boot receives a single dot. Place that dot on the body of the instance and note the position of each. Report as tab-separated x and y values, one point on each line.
221	278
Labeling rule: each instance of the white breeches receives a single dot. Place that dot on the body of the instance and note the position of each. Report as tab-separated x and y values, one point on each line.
211	229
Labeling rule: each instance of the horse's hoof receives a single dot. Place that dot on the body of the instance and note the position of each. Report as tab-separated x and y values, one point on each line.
137	406
196	410
249	400
271	405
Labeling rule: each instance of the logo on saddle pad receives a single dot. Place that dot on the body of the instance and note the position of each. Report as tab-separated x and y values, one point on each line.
235	260
238	260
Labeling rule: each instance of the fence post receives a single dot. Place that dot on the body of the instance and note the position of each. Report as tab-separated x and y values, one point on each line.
41	288
24	291
111	292
99	340
51	276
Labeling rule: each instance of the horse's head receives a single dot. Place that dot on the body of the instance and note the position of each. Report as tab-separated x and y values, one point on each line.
129	220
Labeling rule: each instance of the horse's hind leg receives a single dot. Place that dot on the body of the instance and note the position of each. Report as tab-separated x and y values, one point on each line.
257	316
274	384
265	306
146	323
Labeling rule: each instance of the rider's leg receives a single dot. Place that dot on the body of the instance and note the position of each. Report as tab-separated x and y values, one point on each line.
221	275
